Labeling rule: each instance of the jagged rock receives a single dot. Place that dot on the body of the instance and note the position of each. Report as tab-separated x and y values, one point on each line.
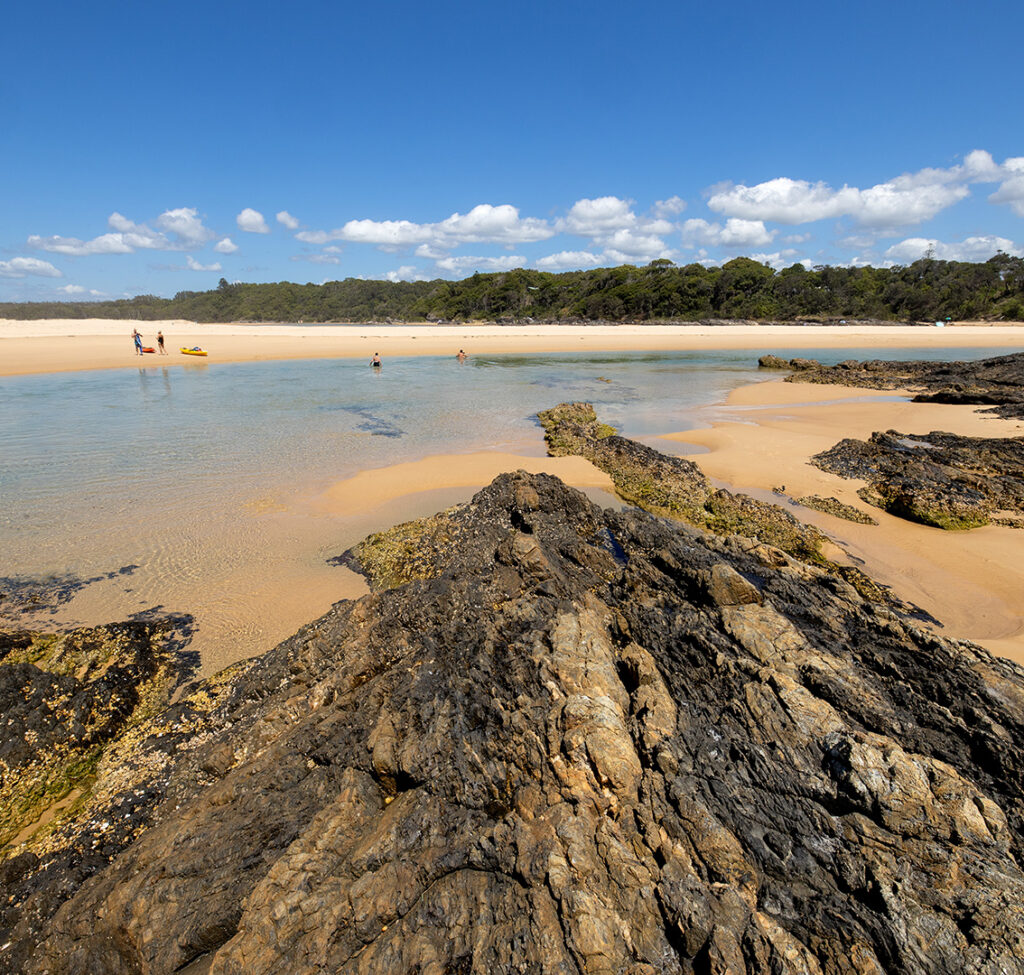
938	479
673	486
997	382
580	741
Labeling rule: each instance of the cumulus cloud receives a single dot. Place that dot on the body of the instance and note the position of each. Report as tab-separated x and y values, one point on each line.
907	199
19	267
287	220
972	249
77	289
779	259
407	272
183	224
566	260
252	222
194	265
737	232
186	224
594	218
1011	191
904	200
483	224
671	207
462	265
225	246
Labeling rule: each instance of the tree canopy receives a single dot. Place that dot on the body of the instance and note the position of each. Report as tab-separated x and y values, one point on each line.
926	290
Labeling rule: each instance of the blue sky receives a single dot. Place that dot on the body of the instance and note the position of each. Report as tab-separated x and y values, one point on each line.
155	147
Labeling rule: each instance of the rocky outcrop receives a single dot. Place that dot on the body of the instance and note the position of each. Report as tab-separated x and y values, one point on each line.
836	508
997	383
673	486
938	479
578	741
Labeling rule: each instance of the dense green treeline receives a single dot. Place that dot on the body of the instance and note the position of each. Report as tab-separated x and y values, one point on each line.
743	288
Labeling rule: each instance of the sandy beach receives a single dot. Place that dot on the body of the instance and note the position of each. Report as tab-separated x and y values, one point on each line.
66	345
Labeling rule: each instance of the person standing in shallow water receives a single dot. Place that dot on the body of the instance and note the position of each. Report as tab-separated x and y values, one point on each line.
461	356
375	361
160	343
138	341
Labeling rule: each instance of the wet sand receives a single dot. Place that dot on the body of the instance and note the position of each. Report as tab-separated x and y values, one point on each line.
68	345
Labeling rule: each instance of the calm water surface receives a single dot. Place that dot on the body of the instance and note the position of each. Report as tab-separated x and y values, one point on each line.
197	473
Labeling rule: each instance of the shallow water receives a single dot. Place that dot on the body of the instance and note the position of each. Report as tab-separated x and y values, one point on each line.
199	474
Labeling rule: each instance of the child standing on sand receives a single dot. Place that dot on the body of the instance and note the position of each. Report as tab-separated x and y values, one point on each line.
160	343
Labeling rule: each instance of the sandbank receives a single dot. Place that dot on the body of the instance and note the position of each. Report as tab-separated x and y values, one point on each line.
57	345
763	437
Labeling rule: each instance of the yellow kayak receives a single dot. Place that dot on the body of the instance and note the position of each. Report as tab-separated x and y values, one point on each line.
195	351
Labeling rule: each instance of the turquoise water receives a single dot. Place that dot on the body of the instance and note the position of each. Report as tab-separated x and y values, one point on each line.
175	468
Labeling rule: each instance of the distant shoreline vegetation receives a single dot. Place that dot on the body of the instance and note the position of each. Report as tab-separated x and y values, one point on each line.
743	288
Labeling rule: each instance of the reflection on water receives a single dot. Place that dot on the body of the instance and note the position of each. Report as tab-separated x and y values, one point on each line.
198	474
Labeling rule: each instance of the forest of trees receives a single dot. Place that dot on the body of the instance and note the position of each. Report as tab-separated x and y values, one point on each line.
926	290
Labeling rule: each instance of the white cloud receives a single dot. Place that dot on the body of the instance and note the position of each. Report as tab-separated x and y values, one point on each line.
779	259
565	260
104	244
287	220
972	249
19	267
671	207
595	218
252	222
405	273
1011	191
225	246
194	265
77	289
186	224
461	265
737	232
430	253
127	236
908	199
483	224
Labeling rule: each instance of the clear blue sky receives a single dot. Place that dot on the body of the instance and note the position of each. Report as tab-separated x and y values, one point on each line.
154	147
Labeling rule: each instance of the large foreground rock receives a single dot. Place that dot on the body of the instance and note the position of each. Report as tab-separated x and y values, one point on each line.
582	741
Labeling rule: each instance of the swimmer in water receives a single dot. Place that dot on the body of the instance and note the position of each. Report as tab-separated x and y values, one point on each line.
375	361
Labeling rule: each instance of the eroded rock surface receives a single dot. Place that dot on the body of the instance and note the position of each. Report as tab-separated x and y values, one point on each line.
580	741
997	382
938	479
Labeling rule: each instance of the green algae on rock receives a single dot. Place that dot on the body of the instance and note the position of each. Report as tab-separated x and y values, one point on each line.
73	694
672	486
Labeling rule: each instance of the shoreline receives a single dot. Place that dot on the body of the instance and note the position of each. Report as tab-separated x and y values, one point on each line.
761	438
56	345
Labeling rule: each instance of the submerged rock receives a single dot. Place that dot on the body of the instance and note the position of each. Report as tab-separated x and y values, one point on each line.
938	479
578	741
